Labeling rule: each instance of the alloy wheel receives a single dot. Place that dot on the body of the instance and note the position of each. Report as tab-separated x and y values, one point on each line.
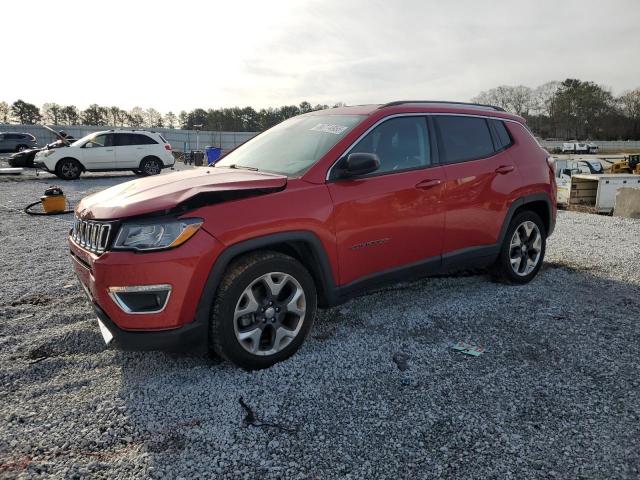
151	167
69	170
525	248
269	313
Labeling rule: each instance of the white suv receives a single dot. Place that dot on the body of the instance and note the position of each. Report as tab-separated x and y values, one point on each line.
144	153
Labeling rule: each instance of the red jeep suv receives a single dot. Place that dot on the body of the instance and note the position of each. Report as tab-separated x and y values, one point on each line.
236	258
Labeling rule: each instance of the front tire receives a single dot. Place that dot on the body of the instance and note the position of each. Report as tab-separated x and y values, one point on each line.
68	169
522	250
263	310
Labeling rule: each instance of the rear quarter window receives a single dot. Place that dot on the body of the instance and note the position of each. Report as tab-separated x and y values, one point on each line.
145	140
502	135
463	138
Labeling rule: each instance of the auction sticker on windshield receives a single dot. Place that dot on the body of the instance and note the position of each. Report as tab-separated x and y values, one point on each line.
329	128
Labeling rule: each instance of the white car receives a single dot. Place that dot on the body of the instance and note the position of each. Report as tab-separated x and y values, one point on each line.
144	153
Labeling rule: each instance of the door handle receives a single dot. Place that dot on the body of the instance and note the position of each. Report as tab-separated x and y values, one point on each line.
426	184
109	150
504	169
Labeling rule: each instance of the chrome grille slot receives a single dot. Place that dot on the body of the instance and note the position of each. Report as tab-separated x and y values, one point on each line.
91	235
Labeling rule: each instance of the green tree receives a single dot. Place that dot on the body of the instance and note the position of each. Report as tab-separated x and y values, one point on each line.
52	113
170	120
152	118
182	119
196	117
116	116
25	113
629	104
305	107
135	117
69	115
94	115
581	108
5	111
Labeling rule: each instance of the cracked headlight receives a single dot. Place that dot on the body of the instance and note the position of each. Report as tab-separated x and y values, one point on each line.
156	235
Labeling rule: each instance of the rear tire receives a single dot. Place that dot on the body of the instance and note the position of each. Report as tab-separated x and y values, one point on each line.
263	310
150	166
522	250
68	169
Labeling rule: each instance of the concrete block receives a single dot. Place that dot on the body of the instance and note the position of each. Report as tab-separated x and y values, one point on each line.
627	203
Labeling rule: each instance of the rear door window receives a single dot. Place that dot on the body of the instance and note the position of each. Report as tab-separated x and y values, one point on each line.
123	139
463	138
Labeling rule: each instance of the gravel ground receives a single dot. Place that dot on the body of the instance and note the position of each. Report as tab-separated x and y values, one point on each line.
375	392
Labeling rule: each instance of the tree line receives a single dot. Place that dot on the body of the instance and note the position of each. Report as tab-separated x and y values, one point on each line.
233	119
572	109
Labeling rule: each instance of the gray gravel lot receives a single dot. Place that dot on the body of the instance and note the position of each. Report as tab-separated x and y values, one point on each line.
375	392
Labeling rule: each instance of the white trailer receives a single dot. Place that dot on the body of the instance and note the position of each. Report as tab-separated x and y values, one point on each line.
599	191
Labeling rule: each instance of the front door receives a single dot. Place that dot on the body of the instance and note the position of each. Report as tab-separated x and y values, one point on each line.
394	216
98	153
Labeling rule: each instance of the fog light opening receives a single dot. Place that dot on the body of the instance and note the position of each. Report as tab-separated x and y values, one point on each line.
142	299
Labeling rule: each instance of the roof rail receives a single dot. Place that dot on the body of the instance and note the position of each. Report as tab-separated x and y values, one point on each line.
443	102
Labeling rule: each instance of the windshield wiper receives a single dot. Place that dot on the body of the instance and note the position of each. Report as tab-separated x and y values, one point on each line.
241	167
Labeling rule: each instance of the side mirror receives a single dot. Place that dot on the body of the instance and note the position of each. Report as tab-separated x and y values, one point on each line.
357	164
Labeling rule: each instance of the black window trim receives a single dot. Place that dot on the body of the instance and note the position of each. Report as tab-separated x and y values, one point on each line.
444	150
496	137
436	160
432	149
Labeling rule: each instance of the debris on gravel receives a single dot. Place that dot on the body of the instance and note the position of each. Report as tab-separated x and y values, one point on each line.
375	392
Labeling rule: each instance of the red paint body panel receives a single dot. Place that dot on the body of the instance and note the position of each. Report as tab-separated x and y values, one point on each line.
302	206
158	193
185	268
531	160
476	201
365	226
405	223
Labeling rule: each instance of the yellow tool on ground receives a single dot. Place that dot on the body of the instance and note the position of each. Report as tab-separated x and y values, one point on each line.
53	202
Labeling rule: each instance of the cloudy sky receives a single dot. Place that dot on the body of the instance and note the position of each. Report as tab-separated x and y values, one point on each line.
183	54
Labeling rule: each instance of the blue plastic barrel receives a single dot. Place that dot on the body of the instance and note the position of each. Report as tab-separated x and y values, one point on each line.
213	154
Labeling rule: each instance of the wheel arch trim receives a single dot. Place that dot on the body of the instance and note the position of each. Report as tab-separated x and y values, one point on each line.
522	201
322	266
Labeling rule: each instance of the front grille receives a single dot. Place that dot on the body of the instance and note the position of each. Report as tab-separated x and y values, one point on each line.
91	235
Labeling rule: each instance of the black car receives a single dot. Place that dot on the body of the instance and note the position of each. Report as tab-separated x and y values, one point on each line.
25	157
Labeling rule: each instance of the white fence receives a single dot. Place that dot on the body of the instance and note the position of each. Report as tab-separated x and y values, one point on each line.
613	146
186	140
181	140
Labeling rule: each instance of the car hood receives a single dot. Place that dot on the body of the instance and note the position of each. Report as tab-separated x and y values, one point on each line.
26	151
163	193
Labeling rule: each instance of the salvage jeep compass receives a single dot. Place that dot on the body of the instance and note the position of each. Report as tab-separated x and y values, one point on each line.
236	258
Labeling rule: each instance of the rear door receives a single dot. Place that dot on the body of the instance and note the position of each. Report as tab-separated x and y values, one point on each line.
480	178
125	144
392	217
131	148
98	153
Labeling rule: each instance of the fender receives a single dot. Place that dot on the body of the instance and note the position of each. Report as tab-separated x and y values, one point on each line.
519	202
322	268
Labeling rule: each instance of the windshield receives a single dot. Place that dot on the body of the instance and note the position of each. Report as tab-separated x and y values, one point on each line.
292	146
